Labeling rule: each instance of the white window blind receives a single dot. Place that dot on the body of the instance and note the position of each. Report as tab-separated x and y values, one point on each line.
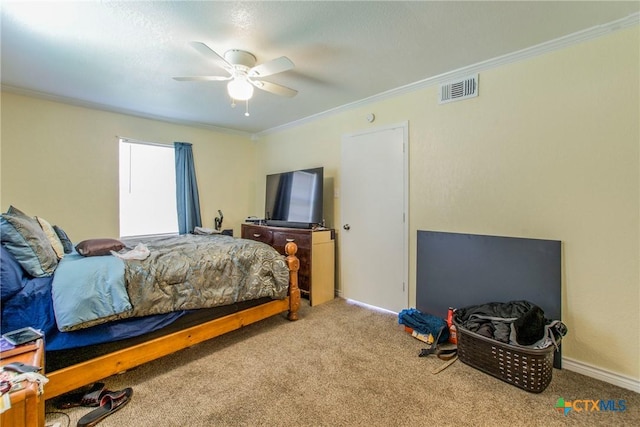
147	189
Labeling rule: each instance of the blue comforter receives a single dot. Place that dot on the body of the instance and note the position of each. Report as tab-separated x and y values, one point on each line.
88	290
147	299
181	273
26	301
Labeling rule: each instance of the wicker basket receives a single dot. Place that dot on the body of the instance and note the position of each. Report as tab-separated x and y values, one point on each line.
528	369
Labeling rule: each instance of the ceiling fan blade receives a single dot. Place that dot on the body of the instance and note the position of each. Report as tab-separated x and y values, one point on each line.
277	65
205	50
202	78
274	88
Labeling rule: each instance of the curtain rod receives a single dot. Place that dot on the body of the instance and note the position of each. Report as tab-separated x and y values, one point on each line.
137	141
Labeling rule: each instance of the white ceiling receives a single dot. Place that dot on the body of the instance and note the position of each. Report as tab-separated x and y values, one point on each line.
121	56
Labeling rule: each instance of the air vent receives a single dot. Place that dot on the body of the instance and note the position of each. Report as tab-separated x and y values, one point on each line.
459	89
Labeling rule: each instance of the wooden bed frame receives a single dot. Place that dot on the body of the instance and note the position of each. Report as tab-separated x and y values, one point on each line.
75	376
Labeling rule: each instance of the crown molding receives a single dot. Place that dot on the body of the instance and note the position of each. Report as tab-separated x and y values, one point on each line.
97	106
520	55
540	49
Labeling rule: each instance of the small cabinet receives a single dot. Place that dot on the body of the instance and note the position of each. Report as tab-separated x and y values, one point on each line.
316	252
27	404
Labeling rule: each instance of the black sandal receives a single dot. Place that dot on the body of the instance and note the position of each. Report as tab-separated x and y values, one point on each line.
111	402
88	397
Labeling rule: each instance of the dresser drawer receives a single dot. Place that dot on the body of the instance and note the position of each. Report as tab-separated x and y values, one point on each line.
260	234
303	241
281	238
314	247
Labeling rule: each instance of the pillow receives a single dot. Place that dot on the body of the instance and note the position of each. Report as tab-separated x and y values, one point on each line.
17	212
64	239
11	274
56	244
98	247
25	240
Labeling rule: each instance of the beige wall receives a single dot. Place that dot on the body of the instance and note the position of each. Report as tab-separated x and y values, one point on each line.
550	150
61	162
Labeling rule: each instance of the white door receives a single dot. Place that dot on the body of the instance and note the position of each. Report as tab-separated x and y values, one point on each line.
374	249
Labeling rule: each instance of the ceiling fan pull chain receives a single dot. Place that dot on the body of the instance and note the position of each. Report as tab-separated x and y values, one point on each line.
247	111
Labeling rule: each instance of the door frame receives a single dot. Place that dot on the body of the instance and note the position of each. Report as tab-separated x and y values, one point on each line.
405	189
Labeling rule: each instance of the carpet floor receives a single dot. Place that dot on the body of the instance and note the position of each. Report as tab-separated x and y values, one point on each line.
341	364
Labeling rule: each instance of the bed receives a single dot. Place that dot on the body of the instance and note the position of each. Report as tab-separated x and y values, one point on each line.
187	289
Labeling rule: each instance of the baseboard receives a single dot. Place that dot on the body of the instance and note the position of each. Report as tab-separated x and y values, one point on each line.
585	369
632	384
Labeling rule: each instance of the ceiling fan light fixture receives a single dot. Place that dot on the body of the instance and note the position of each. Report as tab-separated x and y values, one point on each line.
240	89
242	69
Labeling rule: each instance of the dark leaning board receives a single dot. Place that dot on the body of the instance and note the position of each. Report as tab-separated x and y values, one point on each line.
458	270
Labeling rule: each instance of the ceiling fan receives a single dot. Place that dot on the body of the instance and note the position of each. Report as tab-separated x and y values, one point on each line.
244	74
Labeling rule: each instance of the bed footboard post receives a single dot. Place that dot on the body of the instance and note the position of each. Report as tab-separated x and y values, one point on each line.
294	291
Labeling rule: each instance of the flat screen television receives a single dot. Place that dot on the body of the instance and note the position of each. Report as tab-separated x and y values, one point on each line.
294	199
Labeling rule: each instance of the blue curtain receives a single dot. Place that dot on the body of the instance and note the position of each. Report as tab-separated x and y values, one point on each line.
186	189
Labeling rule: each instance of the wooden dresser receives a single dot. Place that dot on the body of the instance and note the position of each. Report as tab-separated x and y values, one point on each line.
316	252
27	405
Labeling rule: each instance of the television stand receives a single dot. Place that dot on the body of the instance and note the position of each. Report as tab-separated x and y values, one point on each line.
316	252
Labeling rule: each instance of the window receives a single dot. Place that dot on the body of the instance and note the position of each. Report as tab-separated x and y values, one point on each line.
147	189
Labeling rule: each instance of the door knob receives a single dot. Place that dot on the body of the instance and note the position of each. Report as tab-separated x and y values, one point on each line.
346	227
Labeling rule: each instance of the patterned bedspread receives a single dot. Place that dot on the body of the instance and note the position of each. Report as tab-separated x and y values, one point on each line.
190	272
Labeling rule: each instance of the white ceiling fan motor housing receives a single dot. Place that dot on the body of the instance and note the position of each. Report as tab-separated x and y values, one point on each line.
240	58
